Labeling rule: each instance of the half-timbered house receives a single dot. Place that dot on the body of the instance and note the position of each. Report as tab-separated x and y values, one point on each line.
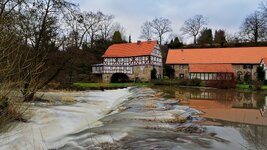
136	60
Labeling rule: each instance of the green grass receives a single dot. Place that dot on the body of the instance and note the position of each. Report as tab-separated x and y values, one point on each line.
247	86
88	86
110	85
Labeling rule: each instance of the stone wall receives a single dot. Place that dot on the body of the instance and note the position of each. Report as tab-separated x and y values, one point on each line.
181	69
240	69
143	73
184	69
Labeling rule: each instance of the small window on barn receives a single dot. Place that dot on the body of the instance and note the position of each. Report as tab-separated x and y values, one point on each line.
248	66
210	76
181	76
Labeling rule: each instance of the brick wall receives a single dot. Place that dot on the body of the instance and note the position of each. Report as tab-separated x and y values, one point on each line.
181	69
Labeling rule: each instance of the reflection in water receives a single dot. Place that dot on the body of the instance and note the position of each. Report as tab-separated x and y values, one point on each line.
230	105
264	108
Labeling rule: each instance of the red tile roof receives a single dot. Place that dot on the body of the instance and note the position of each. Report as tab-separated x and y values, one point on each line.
222	68
130	49
264	60
243	55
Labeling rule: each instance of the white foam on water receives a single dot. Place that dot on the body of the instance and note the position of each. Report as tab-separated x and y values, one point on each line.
49	126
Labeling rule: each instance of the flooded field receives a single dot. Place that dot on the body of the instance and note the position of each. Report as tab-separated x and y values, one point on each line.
141	119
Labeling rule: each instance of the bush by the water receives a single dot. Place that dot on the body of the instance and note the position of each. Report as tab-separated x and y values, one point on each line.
257	85
181	82
222	84
10	112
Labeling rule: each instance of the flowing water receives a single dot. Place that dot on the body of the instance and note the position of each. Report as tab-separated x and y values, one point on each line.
142	118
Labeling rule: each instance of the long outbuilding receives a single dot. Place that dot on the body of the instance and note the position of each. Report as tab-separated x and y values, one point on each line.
217	63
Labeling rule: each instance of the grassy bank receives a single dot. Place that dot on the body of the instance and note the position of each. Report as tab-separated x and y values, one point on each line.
250	87
97	86
182	83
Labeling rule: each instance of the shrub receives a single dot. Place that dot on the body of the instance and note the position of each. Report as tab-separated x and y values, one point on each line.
257	85
222	84
184	82
10	112
260	73
166	78
248	78
194	82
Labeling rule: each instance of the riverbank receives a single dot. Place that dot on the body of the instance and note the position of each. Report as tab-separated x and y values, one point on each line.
176	83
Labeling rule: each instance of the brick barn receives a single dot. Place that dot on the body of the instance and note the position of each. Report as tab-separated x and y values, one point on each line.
217	63
135	60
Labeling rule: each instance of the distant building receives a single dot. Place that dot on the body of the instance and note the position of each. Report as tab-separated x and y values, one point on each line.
217	63
136	60
264	65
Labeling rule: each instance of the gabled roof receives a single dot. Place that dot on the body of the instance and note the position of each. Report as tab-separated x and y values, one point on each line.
264	60
211	68
131	49
242	55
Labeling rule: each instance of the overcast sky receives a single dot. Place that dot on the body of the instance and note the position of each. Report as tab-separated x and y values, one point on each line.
221	14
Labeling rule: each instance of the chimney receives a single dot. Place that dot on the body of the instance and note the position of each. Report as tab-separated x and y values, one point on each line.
138	42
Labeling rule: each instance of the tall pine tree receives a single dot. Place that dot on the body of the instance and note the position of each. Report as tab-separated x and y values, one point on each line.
116	39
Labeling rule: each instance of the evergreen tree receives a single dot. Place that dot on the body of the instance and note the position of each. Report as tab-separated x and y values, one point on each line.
130	39
116	39
205	37
220	37
260	73
175	43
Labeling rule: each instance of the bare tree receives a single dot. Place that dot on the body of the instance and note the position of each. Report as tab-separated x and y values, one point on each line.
146	31
263	8
88	24
106	27
254	27
193	26
161	26
39	27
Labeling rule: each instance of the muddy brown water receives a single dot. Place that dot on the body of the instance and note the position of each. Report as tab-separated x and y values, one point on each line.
242	106
145	121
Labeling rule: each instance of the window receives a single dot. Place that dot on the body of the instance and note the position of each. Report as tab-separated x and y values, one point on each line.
202	76
193	76
248	66
181	76
210	76
181	66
